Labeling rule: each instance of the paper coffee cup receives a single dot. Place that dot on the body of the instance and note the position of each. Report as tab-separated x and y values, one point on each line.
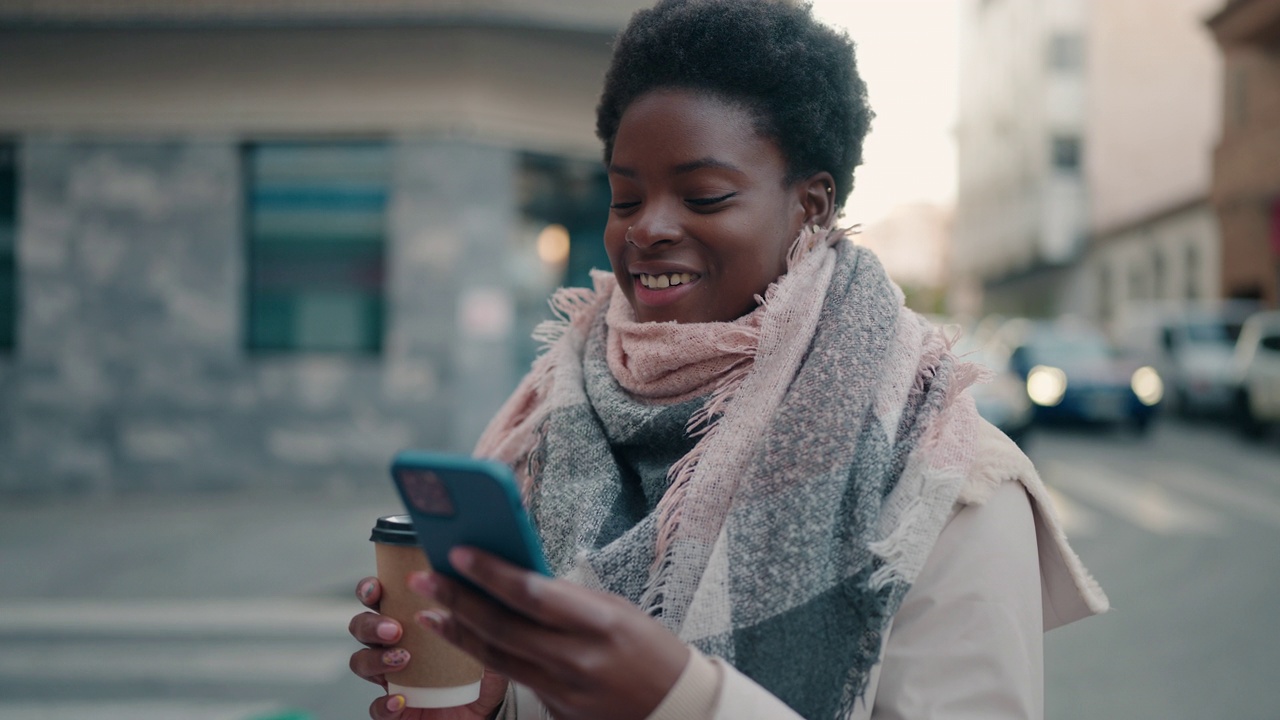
438	674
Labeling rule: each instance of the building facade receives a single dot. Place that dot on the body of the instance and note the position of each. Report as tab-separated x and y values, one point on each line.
1154	75
1246	162
271	243
1021	207
1137	93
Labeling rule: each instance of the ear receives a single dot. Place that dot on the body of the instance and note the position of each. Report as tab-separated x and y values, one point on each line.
816	194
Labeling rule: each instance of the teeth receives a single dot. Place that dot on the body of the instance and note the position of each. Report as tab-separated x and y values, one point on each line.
660	282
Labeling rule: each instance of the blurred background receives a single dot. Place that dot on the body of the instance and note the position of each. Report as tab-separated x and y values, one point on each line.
251	248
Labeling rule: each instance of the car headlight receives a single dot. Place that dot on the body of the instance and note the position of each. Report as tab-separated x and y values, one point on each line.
1046	385
1147	385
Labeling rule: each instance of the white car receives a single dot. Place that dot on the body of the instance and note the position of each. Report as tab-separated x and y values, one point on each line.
1257	367
1196	359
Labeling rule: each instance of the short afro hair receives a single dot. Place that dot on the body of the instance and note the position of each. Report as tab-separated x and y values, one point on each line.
797	75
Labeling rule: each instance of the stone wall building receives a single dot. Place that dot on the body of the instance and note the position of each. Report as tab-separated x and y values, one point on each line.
270	243
1246	163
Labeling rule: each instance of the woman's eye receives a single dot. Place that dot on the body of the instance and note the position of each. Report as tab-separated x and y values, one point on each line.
710	200
623	205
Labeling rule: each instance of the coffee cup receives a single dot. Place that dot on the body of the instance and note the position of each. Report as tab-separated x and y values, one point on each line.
438	674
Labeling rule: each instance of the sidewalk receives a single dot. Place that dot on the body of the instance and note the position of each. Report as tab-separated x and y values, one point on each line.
198	546
209	607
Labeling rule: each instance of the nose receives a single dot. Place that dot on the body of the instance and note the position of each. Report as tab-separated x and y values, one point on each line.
653	228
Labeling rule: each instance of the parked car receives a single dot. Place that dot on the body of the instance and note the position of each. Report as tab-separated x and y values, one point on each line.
1257	368
1071	372
1002	401
1196	360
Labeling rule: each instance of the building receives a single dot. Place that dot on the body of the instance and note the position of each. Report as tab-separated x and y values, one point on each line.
1246	162
1085	157
1153	77
1020	209
269	243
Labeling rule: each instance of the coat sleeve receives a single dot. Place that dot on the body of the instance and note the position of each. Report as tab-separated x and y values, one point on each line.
967	642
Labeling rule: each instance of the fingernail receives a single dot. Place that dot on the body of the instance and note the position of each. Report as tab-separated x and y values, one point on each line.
388	630
462	558
423	583
432	619
366	591
396	703
396	657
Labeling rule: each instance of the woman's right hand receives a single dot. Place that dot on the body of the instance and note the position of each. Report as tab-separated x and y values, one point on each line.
373	663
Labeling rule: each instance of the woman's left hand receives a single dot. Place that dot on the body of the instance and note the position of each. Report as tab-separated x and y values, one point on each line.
586	654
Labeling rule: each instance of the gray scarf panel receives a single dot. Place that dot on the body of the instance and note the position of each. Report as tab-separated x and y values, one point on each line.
804	619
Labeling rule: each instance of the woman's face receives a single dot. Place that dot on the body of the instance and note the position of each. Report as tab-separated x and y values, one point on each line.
702	218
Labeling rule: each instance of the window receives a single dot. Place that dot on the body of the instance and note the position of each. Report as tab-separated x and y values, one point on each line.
8	244
564	200
1066	153
574	194
1193	272
1066	53
1157	274
316	224
1104	292
1239	97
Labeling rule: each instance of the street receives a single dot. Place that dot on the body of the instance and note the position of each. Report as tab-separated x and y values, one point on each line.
234	607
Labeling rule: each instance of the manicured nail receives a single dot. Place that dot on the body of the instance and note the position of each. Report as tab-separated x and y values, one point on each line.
433	619
366	591
388	630
462	558
423	583
396	703
395	657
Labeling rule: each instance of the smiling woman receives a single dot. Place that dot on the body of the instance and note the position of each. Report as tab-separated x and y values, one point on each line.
759	480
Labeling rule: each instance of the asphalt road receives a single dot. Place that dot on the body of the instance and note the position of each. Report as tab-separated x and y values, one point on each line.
235	607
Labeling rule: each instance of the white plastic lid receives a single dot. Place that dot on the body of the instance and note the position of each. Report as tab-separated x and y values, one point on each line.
417	697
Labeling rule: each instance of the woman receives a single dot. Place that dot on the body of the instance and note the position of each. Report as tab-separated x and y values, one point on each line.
756	475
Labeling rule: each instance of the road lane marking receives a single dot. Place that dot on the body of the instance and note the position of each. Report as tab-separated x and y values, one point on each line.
254	664
1077	521
136	710
274	617
1221	491
1144	503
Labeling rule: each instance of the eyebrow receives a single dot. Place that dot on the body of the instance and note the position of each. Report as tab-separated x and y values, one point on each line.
682	168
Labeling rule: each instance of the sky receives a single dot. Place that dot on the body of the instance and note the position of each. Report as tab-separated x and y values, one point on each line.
908	54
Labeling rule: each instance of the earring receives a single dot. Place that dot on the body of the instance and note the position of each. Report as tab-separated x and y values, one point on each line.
828	188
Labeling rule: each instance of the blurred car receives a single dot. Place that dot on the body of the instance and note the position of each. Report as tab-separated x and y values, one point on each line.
1257	369
1196	361
1003	400
1071	372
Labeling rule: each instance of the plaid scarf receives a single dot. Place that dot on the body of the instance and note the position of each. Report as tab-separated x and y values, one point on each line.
777	520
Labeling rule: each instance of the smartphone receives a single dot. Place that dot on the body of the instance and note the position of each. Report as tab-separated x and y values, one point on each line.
458	500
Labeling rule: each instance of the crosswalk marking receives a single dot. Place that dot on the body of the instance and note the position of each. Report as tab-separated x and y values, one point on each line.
1221	491
146	618
1077	520
1143	502
136	710
259	645
120	662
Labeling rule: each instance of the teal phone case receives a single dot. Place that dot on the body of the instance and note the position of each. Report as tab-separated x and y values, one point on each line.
458	500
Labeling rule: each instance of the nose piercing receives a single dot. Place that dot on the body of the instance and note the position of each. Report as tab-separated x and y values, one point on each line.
627	236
